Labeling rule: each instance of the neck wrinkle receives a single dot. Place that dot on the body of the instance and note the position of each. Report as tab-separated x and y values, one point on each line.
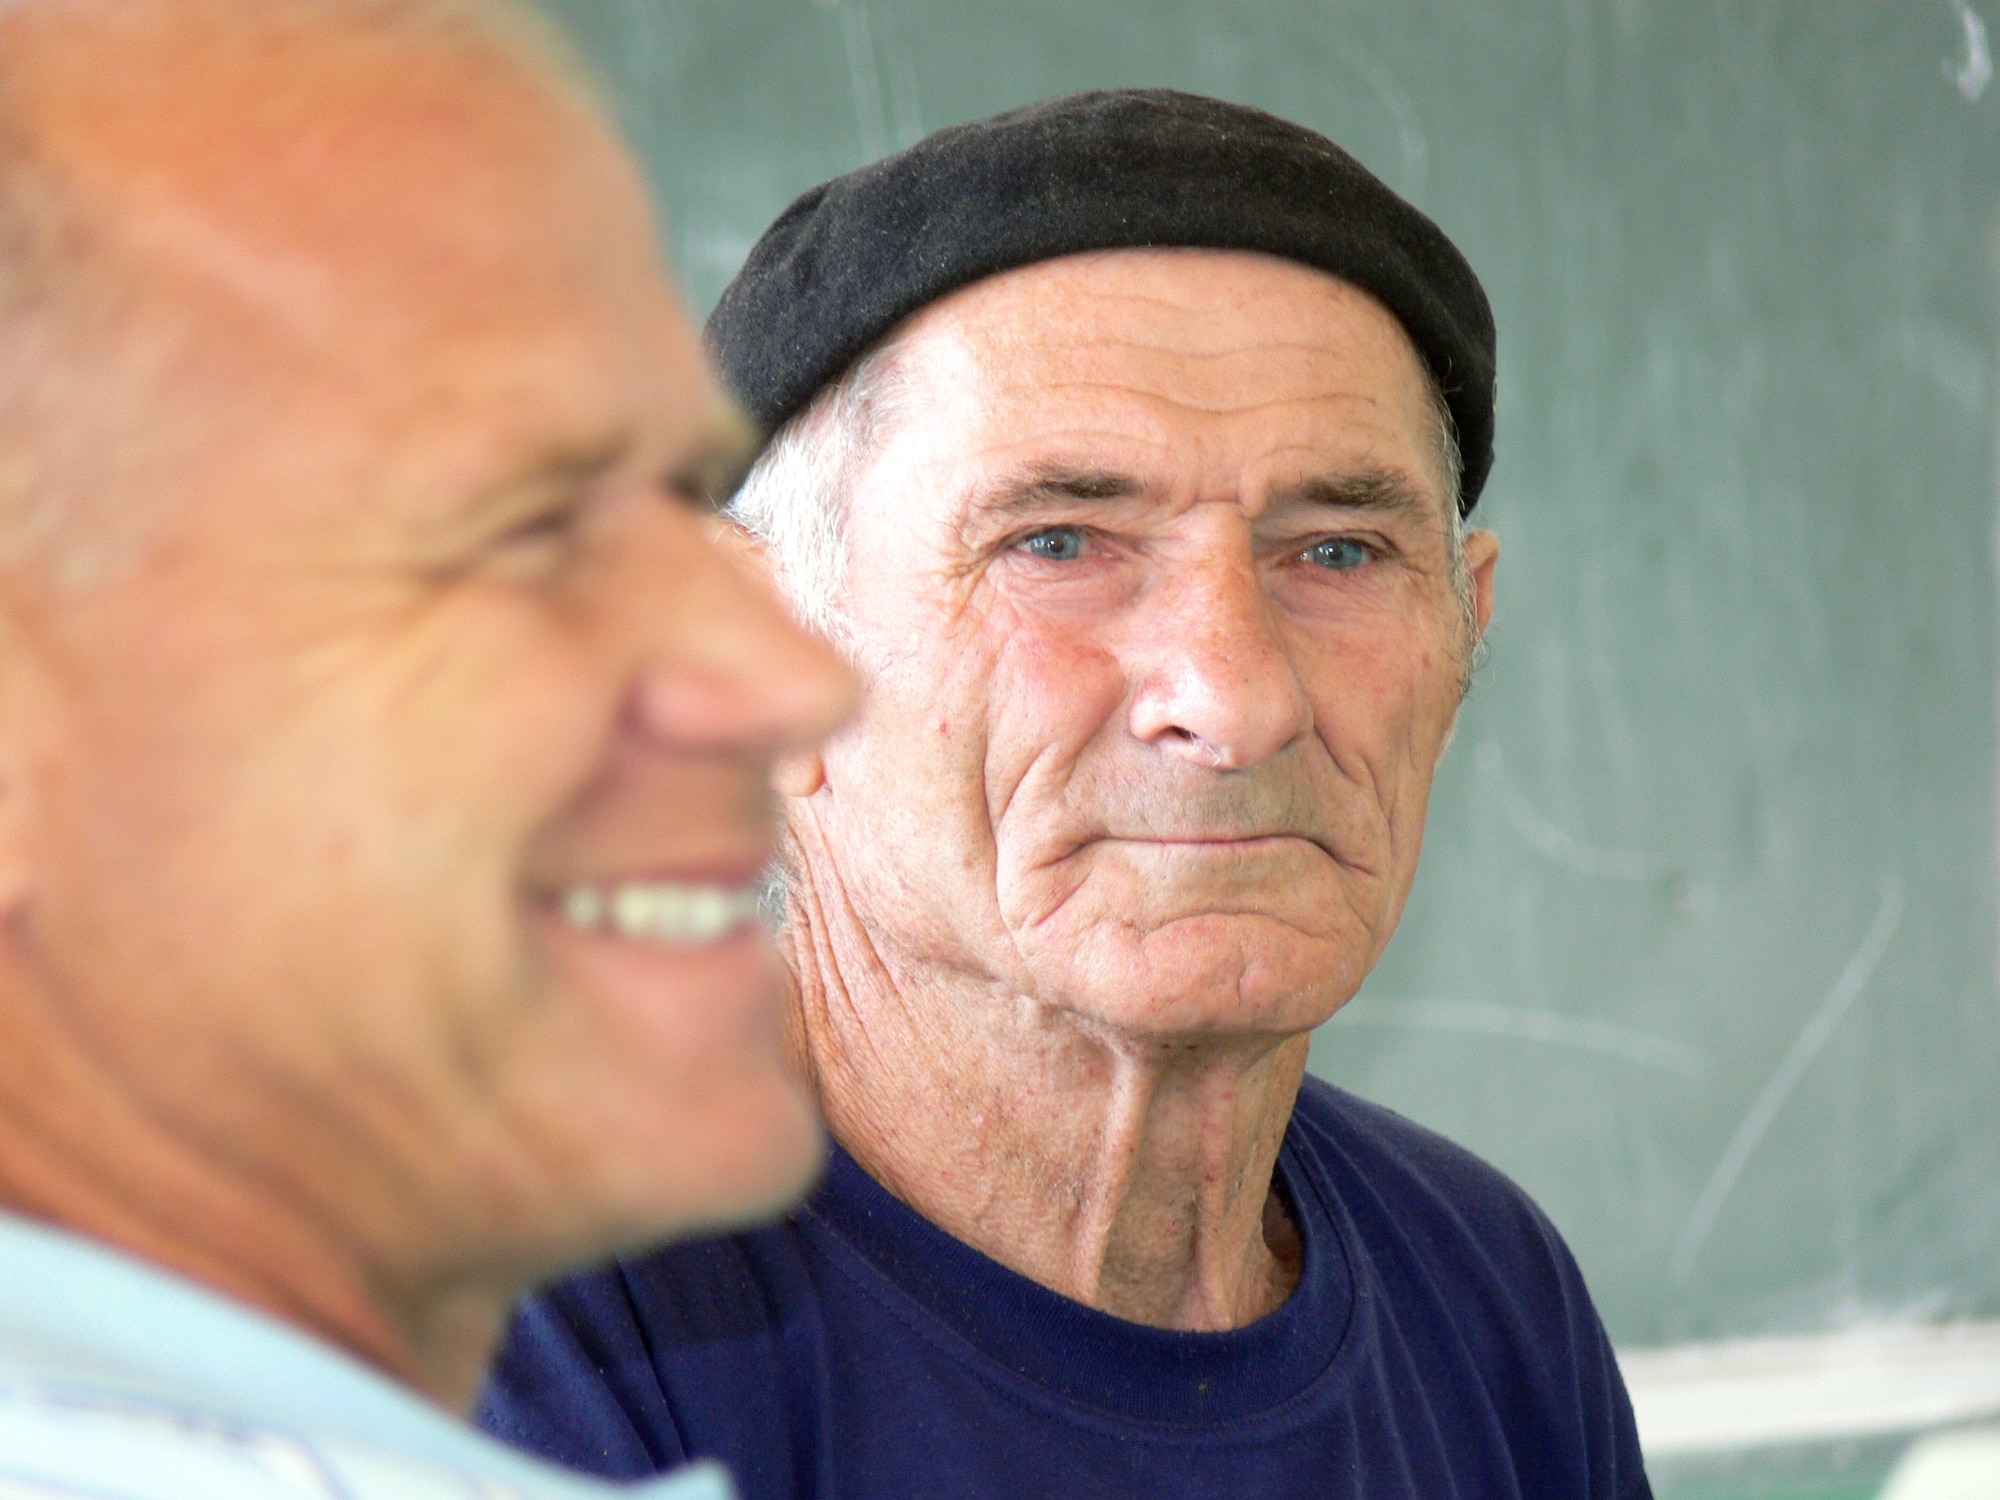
1129	1173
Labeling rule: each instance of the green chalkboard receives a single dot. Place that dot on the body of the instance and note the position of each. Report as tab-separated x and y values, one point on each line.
1704	946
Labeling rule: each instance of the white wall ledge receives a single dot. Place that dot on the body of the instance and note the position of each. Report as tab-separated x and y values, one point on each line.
1765	1393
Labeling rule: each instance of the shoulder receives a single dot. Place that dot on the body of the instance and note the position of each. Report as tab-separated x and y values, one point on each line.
573	1378
598	1370
1426	1210
1469	1273
117	1441
1331	1114
1379	1161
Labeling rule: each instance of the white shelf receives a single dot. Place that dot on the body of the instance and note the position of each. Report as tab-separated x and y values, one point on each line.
1761	1393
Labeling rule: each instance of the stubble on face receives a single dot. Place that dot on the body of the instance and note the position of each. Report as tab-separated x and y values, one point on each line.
1174	783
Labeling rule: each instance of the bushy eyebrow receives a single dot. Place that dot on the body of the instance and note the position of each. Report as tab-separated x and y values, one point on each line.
1384	491
547	478
707	478
718	469
583	464
556	470
1044	484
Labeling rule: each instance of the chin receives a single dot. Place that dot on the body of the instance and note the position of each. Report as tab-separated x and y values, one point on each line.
670	1082
748	1154
654	1162
1192	1014
1211	977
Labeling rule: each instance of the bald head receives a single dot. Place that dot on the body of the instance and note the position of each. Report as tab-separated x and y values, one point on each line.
174	174
364	605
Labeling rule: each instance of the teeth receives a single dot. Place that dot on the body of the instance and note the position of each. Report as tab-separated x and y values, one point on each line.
662	911
583	907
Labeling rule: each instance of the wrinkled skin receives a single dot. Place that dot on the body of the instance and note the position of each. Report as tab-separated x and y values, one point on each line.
1151	585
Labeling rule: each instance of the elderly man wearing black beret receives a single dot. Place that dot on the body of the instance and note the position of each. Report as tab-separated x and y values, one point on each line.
1125	444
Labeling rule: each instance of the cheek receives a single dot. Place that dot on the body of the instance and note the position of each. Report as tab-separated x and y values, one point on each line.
431	759
901	799
1056	690
359	806
502	720
1383	703
957	770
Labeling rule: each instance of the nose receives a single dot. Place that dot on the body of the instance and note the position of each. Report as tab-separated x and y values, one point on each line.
1216	685
726	668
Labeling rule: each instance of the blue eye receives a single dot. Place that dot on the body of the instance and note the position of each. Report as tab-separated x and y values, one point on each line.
1339	553
1057	544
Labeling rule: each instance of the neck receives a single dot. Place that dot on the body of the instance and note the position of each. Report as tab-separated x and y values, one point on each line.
77	1152
1132	1173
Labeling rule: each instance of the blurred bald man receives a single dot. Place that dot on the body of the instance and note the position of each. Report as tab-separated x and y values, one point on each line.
384	744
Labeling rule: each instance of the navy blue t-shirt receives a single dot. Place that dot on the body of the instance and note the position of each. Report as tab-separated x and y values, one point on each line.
1440	1343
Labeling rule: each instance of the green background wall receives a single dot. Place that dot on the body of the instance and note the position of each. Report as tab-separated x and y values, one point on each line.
1704	948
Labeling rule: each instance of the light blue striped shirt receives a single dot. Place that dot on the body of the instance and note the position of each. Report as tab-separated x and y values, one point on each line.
121	1381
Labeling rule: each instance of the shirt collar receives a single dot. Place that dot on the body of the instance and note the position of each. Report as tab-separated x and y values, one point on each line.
72	1309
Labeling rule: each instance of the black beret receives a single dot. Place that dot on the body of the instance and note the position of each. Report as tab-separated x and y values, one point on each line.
1109	170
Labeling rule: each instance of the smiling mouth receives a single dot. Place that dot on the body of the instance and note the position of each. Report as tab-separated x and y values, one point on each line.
671	912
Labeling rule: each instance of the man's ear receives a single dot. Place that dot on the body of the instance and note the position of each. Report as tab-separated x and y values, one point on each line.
799	774
1482	555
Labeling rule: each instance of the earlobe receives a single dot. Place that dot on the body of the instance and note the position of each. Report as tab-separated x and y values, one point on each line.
799	774
1482	555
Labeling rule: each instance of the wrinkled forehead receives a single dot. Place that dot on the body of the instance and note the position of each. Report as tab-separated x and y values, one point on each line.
1249	358
334	183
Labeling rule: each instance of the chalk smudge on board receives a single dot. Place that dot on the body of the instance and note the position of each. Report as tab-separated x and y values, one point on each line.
871	113
1975	71
1412	145
1785	1077
889	117
1556	843
1545	1027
